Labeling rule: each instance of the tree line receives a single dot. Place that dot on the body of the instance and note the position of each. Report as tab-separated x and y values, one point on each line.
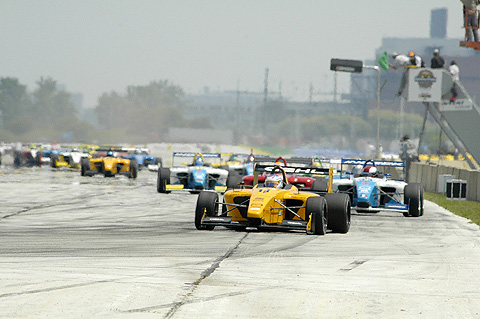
142	114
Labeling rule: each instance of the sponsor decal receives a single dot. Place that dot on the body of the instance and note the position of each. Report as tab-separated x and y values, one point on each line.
396	206
425	79
458	105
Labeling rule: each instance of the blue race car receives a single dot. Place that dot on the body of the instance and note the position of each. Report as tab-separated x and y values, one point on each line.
143	159
372	191
194	177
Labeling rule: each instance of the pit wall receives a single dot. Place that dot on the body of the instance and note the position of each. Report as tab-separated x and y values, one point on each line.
427	174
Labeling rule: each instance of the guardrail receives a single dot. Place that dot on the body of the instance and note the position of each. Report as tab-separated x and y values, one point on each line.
428	175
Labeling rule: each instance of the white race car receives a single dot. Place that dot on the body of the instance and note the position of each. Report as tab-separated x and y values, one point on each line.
68	158
372	191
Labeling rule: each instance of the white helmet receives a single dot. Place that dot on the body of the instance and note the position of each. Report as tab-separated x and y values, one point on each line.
274	180
370	171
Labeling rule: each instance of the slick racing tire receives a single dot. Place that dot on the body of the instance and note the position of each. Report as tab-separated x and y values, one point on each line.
54	159
17	159
233	179
84	166
413	197
338	212
206	204
320	185
316	206
133	169
163	178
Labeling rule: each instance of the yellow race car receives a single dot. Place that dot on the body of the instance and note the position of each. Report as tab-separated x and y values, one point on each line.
109	166
276	204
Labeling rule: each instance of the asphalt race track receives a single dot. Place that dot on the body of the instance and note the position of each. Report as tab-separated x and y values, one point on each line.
95	247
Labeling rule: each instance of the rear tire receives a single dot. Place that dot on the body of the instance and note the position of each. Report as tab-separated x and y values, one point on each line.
338	212
206	204
413	197
320	185
316	206
163	178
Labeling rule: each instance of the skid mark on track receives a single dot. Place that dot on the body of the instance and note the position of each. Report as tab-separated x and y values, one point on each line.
72	201
36	291
353	265
185	299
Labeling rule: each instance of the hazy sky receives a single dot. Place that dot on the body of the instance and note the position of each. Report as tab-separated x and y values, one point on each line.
93	47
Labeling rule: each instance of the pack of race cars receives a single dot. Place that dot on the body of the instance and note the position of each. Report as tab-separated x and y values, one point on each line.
240	191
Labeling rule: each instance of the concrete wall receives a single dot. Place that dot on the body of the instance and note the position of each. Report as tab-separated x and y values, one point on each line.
427	174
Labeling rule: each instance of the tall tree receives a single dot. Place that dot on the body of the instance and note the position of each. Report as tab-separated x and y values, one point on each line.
50	103
14	101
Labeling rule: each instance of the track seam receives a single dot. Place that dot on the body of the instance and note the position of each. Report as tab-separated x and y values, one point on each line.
207	272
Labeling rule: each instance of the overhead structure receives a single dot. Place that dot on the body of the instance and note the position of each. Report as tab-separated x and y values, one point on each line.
449	104
470	29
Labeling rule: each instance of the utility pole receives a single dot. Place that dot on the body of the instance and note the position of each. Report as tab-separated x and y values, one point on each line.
265	97
265	88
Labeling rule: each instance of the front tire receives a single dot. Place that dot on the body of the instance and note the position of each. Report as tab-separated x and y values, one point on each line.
163	178
317	207
413	197
206	204
338	212
233	179
54	158
84	166
133	169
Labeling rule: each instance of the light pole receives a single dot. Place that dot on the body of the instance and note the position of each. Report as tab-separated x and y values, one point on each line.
357	67
377	149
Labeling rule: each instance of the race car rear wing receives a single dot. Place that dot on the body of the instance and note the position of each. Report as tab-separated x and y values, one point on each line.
193	155
377	163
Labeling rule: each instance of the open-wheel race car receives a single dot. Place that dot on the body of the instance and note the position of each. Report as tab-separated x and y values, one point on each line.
194	177
275	204
109	166
237	165
68	158
295	173
143	158
372	191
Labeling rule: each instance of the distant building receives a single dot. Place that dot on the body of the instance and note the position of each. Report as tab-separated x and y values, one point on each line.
438	23
364	85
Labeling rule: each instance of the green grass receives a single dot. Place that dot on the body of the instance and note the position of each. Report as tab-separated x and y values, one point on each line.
467	209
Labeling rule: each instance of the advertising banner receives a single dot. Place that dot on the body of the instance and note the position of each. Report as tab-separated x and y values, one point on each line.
424	85
457	105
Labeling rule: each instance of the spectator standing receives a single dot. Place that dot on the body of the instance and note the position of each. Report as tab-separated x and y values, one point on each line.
415	61
399	60
437	61
408	153
455	72
470	16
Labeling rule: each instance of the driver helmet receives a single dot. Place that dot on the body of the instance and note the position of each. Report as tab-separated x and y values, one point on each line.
370	171
110	153
198	161
274	180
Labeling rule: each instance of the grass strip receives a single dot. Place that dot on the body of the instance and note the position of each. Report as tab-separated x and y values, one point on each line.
464	208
